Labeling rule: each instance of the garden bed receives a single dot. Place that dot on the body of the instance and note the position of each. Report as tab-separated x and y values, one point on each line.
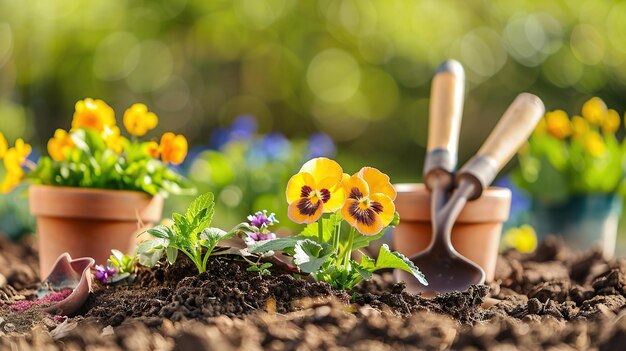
550	298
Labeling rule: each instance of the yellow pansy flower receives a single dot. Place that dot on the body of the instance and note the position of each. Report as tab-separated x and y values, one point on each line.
580	126
152	149
93	114
316	189
138	120
594	144
173	148
594	110
4	146
11	180
113	139
558	124
522	239
60	145
369	205
611	122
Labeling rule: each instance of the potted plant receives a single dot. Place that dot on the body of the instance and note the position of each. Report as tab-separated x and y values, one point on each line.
573	170
97	189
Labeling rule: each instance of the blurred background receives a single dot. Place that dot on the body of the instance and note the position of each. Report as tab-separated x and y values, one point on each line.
258	86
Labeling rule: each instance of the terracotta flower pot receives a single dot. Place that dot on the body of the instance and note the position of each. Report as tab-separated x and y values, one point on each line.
475	235
89	222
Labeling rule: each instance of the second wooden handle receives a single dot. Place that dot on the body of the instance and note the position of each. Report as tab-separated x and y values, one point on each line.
514	128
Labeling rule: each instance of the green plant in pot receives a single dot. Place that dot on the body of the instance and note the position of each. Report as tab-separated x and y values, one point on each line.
573	170
97	189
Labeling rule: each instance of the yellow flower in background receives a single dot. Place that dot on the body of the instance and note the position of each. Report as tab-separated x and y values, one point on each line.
580	126
15	157
4	146
594	144
541	127
173	148
522	239
138	120
558	124
152	148
369	205
611	123
93	114
594	110
11	180
113	139
60	145
316	189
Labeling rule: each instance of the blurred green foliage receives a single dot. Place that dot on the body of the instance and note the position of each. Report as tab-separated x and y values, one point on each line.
357	70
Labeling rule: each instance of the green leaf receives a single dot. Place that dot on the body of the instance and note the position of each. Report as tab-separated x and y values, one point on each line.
361	241
309	255
171	253
151	251
204	202
396	220
215	235
160	231
330	224
392	259
279	244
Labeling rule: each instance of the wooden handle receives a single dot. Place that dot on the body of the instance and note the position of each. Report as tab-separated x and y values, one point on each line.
446	107
514	128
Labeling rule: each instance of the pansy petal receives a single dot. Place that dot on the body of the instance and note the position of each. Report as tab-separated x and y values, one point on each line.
296	185
336	192
305	211
364	218
377	181
321	168
370	229
385	208
345	211
356	188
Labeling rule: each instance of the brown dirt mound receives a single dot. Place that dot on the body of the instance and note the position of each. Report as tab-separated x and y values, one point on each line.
551	299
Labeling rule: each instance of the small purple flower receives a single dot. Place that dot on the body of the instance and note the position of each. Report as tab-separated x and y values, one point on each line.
262	220
104	274
253	237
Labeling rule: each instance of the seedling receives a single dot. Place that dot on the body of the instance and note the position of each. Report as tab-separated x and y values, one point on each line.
123	264
190	234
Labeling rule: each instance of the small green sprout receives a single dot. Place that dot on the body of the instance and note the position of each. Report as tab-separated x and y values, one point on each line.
190	234
124	265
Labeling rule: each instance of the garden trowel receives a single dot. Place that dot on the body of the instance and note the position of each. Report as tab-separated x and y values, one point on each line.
445	269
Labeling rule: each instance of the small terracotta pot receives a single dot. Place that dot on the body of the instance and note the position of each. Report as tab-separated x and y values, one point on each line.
475	235
89	222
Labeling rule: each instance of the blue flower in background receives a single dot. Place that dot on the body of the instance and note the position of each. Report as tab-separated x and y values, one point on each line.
276	146
520	203
219	137
321	145
244	127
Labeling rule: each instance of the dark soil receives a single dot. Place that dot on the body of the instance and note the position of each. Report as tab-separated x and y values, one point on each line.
552	299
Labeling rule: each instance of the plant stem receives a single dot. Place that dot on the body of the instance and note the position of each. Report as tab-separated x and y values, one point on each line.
336	236
320	229
348	249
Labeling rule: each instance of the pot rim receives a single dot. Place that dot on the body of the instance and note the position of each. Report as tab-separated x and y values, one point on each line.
413	204
94	203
